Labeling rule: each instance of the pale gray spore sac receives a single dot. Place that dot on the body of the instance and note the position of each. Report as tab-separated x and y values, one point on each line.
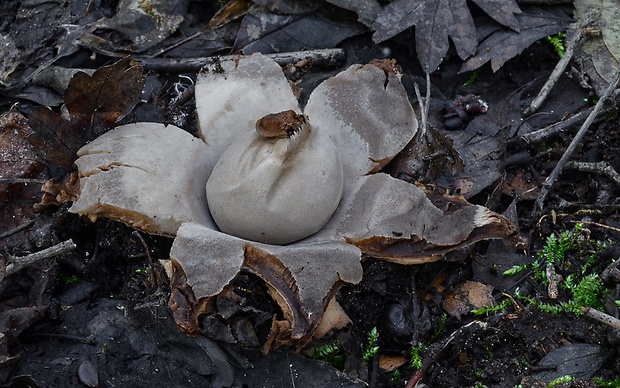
278	184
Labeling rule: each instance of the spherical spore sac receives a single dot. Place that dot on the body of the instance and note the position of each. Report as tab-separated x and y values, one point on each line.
278	184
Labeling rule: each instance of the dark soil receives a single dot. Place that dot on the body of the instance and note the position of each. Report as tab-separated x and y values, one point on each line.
106	321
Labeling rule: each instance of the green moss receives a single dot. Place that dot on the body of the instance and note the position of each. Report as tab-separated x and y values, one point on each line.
372	345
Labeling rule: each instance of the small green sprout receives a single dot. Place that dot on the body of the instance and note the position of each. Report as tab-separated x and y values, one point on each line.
330	353
557	41
498	308
415	353
515	269
69	279
589	292
416	361
396	376
472	78
372	345
441	325
560	380
613	383
141	271
555	248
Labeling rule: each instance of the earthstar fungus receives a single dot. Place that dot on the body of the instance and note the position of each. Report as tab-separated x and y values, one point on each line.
153	178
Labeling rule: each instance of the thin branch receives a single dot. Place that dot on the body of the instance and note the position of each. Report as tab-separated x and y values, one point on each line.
601	317
17	229
427	102
575	36
554	279
601	168
617	230
550	181
19	263
547	132
320	57
418	95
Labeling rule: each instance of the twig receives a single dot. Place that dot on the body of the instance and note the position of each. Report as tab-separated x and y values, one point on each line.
549	182
575	36
554	279
424	104
545	133
427	102
19	263
597	224
321	57
421	104
601	317
549	131
601	168
17	229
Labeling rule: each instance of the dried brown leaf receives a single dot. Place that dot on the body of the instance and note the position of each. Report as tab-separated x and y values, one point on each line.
599	53
468	296
144	23
18	159
504	44
265	32
94	103
366	10
54	139
98	101
435	21
233	10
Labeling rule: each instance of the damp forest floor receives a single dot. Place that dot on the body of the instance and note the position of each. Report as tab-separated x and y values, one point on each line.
106	320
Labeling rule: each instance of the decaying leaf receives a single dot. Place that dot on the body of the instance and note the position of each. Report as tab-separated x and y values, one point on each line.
100	100
499	44
429	157
482	146
231	11
580	360
38	21
599	52
473	158
366	114
435	21
145	22
53	138
289	7
18	159
468	296
10	58
266	32
366	10
19	165
94	103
